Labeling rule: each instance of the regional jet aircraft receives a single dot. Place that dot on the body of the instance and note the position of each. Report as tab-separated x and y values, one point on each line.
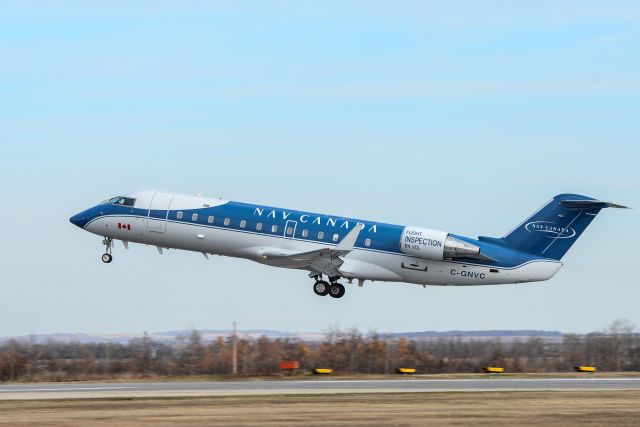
331	248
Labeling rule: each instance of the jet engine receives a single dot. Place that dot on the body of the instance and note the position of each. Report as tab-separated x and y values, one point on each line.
436	245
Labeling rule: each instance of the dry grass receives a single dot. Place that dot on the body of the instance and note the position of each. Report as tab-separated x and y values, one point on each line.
591	408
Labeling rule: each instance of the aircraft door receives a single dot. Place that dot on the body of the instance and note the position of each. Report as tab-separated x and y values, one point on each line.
159	212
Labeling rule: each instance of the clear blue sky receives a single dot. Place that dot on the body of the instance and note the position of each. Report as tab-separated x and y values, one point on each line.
464	117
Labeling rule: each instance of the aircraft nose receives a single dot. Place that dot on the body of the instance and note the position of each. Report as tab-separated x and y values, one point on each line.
79	220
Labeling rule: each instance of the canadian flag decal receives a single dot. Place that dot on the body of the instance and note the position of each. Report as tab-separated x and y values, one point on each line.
122	226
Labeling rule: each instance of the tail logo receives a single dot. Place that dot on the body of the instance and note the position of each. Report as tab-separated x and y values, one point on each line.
553	230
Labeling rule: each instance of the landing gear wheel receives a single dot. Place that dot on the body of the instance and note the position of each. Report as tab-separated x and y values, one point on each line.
108	245
321	288
336	290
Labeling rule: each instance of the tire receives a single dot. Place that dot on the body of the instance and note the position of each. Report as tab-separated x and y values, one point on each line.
321	288
337	290
107	258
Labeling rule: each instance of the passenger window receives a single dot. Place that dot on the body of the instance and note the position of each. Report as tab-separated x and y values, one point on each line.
274	228
320	235
179	215
305	233
335	237
289	231
243	223
259	226
367	242
227	221
210	219
194	217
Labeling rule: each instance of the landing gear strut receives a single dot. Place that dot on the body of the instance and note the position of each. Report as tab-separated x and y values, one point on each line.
323	288
108	245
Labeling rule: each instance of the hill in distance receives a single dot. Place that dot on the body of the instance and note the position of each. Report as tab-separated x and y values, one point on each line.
213	334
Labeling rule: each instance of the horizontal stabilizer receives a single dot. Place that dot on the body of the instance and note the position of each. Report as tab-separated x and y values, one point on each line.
590	204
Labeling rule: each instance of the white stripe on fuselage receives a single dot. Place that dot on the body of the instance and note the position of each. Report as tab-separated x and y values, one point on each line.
361	263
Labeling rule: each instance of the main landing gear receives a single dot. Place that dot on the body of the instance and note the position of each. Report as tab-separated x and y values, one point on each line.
108	245
333	288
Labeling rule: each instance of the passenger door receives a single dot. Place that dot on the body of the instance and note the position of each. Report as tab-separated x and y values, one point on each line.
159	212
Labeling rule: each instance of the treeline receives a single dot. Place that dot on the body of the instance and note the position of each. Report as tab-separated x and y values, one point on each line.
615	349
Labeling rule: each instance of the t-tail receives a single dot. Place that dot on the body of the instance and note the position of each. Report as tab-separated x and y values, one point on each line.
551	230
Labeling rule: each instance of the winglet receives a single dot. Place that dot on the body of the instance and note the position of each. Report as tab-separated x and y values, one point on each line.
350	239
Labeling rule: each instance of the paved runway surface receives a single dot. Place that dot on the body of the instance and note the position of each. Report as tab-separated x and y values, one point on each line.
226	388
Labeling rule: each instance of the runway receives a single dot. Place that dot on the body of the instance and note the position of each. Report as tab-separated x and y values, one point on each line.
269	387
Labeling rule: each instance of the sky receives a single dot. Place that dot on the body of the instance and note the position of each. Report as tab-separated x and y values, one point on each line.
463	116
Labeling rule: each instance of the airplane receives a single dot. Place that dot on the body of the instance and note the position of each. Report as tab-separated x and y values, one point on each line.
335	247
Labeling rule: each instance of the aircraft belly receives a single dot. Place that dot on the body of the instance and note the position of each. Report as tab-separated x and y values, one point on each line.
387	267
371	265
355	267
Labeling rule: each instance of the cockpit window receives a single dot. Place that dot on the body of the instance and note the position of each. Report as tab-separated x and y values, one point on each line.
120	200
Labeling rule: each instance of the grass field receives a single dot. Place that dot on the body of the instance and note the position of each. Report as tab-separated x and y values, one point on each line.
592	408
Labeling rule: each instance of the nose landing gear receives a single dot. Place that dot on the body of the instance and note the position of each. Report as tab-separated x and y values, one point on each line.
108	245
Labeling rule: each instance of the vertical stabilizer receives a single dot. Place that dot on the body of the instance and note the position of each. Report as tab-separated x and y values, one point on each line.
555	227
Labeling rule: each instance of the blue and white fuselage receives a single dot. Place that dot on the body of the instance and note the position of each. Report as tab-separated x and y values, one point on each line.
339	247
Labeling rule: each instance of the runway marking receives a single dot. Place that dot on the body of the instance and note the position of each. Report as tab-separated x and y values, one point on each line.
329	381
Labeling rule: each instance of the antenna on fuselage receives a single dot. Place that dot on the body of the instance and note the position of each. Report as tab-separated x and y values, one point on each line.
199	193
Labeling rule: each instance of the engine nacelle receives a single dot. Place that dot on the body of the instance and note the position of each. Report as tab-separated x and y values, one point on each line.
435	245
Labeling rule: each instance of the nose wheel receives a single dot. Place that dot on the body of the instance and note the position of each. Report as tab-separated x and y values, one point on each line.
108	245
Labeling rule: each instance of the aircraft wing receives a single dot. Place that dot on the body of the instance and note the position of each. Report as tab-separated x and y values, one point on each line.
324	260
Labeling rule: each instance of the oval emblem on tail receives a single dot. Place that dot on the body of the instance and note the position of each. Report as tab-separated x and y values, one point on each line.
551	229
